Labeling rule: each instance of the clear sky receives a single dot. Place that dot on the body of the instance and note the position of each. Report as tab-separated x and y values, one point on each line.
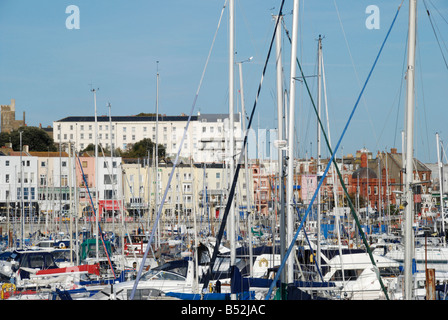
49	69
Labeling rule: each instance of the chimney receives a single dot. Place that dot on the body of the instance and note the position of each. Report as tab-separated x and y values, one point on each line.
393	150
26	148
364	160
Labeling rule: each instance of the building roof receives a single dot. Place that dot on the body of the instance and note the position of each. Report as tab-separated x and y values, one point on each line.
125	118
212	117
364	173
51	154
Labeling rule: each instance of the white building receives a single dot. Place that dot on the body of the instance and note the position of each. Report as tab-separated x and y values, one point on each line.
17	179
53	172
206	140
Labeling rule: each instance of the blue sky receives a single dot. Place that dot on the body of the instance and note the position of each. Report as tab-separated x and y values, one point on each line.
49	69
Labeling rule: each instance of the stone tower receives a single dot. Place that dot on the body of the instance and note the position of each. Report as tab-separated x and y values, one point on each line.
8	118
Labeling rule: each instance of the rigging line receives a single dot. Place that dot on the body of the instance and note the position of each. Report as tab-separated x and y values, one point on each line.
333	153
435	34
241	160
309	242
438	12
99	231
353	65
177	158
401	87
424	106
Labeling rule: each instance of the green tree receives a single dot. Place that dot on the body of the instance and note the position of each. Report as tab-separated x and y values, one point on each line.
36	138
4	138
140	150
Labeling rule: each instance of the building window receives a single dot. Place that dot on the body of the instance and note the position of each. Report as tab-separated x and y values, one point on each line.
187	176
43	180
110	178
187	187
64	180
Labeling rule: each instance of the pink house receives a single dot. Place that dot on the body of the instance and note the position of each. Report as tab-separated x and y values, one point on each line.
86	173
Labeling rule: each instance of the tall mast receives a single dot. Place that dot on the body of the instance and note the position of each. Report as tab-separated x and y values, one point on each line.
22	212
318	167
112	167
409	210
280	137
96	177
440	166
156	202
231	124
246	164
292	96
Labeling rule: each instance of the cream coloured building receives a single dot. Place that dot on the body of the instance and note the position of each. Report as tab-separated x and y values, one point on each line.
206	140
189	184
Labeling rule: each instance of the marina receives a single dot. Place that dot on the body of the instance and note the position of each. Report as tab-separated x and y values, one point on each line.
207	206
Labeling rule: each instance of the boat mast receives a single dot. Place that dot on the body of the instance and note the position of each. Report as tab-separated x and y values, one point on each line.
22	212
440	166
318	168
231	124
156	202
96	177
292	95
409	210
246	165
280	137
112	166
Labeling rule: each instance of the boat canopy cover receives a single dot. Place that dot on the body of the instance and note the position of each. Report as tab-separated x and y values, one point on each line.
88	248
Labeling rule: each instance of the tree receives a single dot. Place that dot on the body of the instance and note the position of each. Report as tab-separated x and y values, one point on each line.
36	138
140	149
4	138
